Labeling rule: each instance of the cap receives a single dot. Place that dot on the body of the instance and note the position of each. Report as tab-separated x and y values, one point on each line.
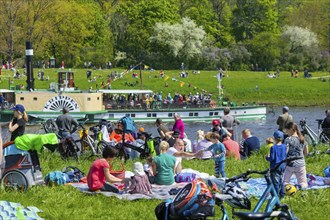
278	135
216	122
141	129
19	108
285	108
176	133
138	169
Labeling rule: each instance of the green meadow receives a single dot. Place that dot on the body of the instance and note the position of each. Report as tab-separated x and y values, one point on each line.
239	86
65	202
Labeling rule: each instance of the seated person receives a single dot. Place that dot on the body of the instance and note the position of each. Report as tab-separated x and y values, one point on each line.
178	152
217	127
161	128
232	147
163	166
250	144
172	136
203	144
99	177
117	134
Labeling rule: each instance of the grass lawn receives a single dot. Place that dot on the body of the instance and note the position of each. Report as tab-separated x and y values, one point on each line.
65	202
239	87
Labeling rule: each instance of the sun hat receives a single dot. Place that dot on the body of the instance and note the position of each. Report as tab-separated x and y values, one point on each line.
216	122
278	135
19	108
138	169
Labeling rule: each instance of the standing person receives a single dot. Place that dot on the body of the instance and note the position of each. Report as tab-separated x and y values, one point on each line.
2	159
161	128
326	121
218	153
284	119
217	127
66	123
277	154
2	101
163	166
250	144
99	177
178	125
17	125
296	147
229	121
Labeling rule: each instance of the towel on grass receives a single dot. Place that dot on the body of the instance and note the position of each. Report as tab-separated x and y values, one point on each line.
12	210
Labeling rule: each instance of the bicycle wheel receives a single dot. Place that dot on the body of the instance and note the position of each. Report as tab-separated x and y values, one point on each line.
325	137
83	145
14	180
73	150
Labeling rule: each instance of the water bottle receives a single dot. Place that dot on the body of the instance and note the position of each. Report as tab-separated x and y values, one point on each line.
195	146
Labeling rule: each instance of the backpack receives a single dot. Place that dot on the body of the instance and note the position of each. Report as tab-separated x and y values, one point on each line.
185	177
128	123
194	201
73	174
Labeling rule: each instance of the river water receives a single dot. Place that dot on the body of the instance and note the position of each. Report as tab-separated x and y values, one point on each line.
260	128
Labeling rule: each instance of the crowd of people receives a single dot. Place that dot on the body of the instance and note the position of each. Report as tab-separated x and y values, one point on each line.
217	144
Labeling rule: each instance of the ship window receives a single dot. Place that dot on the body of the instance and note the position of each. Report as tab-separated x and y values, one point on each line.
191	114
111	115
216	113
210	113
98	98
195	114
170	114
88	98
154	115
35	98
22	98
133	115
148	115
127	115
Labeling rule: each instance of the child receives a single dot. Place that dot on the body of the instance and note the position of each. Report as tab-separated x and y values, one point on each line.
277	154
148	169
269	142
218	152
140	182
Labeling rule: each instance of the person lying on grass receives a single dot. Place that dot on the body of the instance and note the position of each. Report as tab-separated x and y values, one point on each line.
99	177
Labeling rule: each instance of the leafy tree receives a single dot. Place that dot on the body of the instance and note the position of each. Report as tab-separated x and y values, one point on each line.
265	50
253	17
184	40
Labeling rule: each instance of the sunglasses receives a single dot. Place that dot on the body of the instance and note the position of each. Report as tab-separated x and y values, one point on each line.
217	125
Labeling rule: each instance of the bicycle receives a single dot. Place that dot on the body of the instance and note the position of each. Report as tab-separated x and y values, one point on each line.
236	198
145	150
67	146
93	142
323	136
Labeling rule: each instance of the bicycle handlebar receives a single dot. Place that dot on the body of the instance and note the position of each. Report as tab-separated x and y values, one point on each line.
245	176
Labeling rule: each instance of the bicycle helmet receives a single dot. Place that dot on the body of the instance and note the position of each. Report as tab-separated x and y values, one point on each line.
239	198
216	122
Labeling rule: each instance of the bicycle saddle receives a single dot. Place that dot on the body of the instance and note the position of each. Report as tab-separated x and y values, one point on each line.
260	215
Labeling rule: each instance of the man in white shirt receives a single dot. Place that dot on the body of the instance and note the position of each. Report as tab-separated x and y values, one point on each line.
178	152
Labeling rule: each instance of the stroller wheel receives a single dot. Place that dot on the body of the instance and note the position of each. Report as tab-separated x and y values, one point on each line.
14	180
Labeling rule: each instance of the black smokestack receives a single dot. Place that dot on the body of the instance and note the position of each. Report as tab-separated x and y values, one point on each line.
29	67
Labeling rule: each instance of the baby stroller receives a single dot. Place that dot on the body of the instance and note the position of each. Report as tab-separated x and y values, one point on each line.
22	168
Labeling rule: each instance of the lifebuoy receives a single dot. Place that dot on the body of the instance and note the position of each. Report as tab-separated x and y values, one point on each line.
213	104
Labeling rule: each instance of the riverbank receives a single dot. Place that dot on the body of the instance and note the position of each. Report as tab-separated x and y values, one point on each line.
238	86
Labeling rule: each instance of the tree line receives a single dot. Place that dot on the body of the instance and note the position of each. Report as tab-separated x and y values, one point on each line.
203	34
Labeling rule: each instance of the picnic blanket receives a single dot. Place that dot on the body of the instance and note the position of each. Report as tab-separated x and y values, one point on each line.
158	191
255	187
12	210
